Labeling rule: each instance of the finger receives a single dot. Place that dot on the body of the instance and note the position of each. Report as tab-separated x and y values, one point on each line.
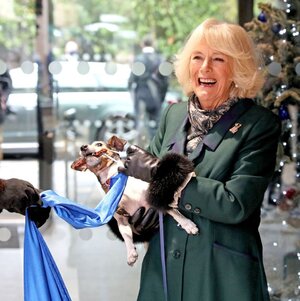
136	218
154	223
144	224
39	201
149	220
33	197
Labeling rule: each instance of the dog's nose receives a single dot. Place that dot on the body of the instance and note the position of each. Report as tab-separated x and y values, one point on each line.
84	147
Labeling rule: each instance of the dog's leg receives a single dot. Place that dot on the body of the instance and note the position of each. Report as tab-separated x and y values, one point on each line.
186	224
177	193
126	233
189	226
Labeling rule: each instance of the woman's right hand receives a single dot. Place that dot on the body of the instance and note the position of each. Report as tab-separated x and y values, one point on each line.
144	222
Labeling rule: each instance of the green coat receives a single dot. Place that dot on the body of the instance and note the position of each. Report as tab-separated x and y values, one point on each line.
224	262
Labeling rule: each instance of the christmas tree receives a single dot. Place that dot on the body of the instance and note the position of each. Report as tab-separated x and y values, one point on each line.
278	39
276	32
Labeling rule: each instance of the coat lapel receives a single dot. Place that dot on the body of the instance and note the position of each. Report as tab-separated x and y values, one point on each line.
178	142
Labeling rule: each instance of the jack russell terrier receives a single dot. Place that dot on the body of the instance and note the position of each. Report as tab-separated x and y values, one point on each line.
103	159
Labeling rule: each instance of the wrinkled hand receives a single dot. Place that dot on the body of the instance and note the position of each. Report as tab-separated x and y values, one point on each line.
139	164
16	195
144	222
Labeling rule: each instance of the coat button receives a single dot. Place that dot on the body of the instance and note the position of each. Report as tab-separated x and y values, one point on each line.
197	210
176	254
188	206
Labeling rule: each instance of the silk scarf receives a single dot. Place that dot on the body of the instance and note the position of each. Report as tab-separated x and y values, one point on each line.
42	279
203	120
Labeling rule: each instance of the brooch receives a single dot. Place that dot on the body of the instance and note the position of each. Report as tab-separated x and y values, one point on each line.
235	128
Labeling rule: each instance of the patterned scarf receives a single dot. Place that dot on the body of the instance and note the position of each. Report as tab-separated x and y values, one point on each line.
203	120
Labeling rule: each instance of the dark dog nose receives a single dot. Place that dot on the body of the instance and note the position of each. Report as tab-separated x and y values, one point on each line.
84	147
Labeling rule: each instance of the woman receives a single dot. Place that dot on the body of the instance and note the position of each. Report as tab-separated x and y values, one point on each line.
232	143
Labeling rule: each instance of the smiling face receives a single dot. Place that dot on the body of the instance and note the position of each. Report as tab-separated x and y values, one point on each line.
211	76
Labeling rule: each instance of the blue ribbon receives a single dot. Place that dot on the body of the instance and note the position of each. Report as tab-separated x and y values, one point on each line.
42	280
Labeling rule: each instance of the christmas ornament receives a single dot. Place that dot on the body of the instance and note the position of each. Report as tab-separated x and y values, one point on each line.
262	17
276	27
283	112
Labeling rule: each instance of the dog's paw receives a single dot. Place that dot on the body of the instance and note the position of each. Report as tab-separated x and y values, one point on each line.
132	257
190	227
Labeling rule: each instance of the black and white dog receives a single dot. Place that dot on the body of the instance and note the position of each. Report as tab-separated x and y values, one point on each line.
103	159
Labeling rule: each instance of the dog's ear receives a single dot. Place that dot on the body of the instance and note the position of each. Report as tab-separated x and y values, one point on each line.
79	164
116	143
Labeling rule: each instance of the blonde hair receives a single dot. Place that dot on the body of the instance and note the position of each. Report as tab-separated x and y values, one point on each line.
231	40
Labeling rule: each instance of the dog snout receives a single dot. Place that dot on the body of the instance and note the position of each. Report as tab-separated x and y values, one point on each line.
84	147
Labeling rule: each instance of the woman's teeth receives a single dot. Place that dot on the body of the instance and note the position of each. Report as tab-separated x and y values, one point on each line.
207	81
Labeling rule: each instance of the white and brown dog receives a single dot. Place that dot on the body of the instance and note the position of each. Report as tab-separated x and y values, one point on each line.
103	159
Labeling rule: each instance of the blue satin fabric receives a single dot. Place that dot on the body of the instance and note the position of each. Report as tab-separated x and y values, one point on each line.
80	216
42	279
